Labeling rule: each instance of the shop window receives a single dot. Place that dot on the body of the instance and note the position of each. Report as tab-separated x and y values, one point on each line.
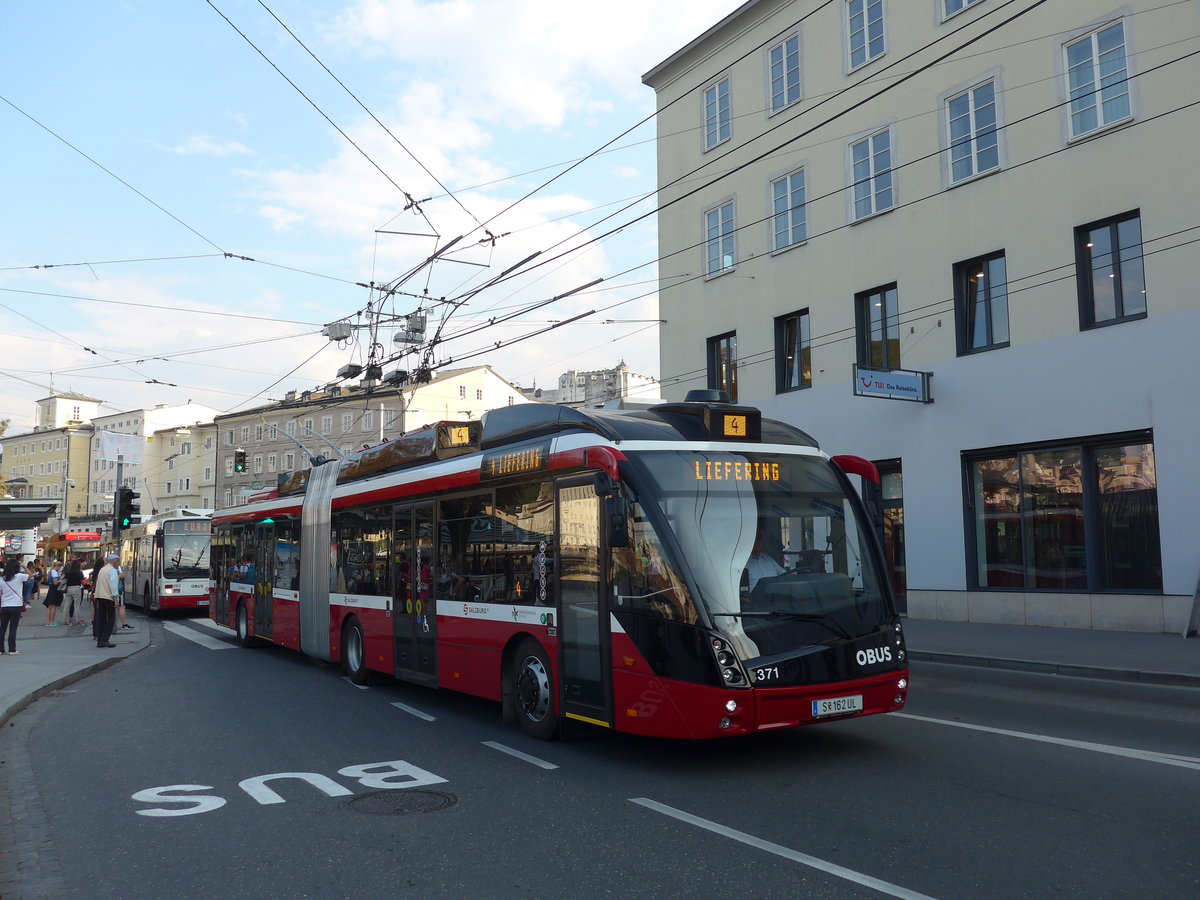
1077	517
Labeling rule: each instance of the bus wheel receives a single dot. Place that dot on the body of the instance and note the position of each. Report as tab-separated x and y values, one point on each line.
532	691
243	627
354	657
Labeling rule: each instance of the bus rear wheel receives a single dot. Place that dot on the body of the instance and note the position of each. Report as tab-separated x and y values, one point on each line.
532	690
354	656
243	627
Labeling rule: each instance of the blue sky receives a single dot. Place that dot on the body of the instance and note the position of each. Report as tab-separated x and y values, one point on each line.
144	140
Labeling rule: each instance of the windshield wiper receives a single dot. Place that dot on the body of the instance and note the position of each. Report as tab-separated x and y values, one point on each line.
820	618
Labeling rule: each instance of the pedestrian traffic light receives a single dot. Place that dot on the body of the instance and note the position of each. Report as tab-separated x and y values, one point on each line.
239	460
126	507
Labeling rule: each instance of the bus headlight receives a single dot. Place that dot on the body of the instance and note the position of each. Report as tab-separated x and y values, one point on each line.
732	673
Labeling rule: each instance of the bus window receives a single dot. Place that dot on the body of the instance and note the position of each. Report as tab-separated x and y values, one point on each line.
287	554
523	518
363	540
643	577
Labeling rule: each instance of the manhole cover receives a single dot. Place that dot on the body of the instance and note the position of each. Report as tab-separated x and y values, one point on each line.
390	803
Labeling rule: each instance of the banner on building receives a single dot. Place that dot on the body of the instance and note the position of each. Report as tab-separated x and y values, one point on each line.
130	447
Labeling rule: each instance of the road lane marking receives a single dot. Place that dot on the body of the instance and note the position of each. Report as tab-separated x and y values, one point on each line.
519	755
884	887
415	712
215	626
204	640
1166	759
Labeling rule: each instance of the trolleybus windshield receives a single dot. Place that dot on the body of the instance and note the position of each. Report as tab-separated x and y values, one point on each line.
777	552
185	549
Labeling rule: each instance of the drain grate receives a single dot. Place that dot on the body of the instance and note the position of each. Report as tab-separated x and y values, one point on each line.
391	803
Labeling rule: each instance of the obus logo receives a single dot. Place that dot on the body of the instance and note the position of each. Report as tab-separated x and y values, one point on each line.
872	656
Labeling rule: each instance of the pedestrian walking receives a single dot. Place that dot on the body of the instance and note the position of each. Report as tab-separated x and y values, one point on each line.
108	588
54	594
12	604
73	596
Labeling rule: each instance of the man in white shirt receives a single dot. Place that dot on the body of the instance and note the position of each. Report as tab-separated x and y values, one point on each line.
108	589
760	565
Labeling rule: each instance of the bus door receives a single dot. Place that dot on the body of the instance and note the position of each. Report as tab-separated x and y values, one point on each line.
414	611
583	626
263	577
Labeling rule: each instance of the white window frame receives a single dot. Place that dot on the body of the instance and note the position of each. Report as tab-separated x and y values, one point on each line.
347	422
783	60
368	420
959	6
867	187
864	8
326	425
718	119
967	147
1093	91
720	240
792	212
272	462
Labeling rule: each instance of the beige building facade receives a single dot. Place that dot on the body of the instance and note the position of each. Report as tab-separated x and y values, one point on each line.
981	204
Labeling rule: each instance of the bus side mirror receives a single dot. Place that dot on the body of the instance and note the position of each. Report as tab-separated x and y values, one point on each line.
618	524
158	539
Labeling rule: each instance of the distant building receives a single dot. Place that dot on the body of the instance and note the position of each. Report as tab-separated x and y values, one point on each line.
862	194
596	388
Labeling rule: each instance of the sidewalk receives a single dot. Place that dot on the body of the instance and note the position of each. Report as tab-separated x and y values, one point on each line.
51	658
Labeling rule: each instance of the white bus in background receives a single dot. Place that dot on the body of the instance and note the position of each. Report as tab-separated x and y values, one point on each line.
164	561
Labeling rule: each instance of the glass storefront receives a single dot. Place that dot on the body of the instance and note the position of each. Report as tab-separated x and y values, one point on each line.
1080	517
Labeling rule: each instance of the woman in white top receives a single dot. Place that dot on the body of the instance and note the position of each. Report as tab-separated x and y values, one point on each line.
12	604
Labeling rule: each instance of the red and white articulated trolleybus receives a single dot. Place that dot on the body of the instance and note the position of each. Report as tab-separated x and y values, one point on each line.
690	570
165	561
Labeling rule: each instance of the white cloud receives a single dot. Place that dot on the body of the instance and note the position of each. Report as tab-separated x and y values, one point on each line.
203	145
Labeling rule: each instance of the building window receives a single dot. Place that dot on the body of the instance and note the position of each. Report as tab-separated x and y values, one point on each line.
245	433
289	462
478	393
185	448
390	417
878	320
258	463
785	73
722	364
718	240
272	462
326	424
368	420
974	146
347	422
1078	517
308	426
1112	281
207	473
716	114
258	433
1097	80
462	392
789	222
793	352
950	7
981	304
871	169
865	20
290	428
229	467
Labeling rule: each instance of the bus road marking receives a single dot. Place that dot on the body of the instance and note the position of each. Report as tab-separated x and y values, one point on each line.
884	887
1166	759
196	637
519	755
415	712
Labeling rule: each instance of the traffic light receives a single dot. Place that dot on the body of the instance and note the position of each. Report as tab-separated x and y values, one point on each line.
126	508
239	460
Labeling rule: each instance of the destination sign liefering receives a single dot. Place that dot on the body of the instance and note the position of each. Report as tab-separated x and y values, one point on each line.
515	462
735	470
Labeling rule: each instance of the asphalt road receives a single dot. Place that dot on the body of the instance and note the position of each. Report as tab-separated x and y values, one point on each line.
192	771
